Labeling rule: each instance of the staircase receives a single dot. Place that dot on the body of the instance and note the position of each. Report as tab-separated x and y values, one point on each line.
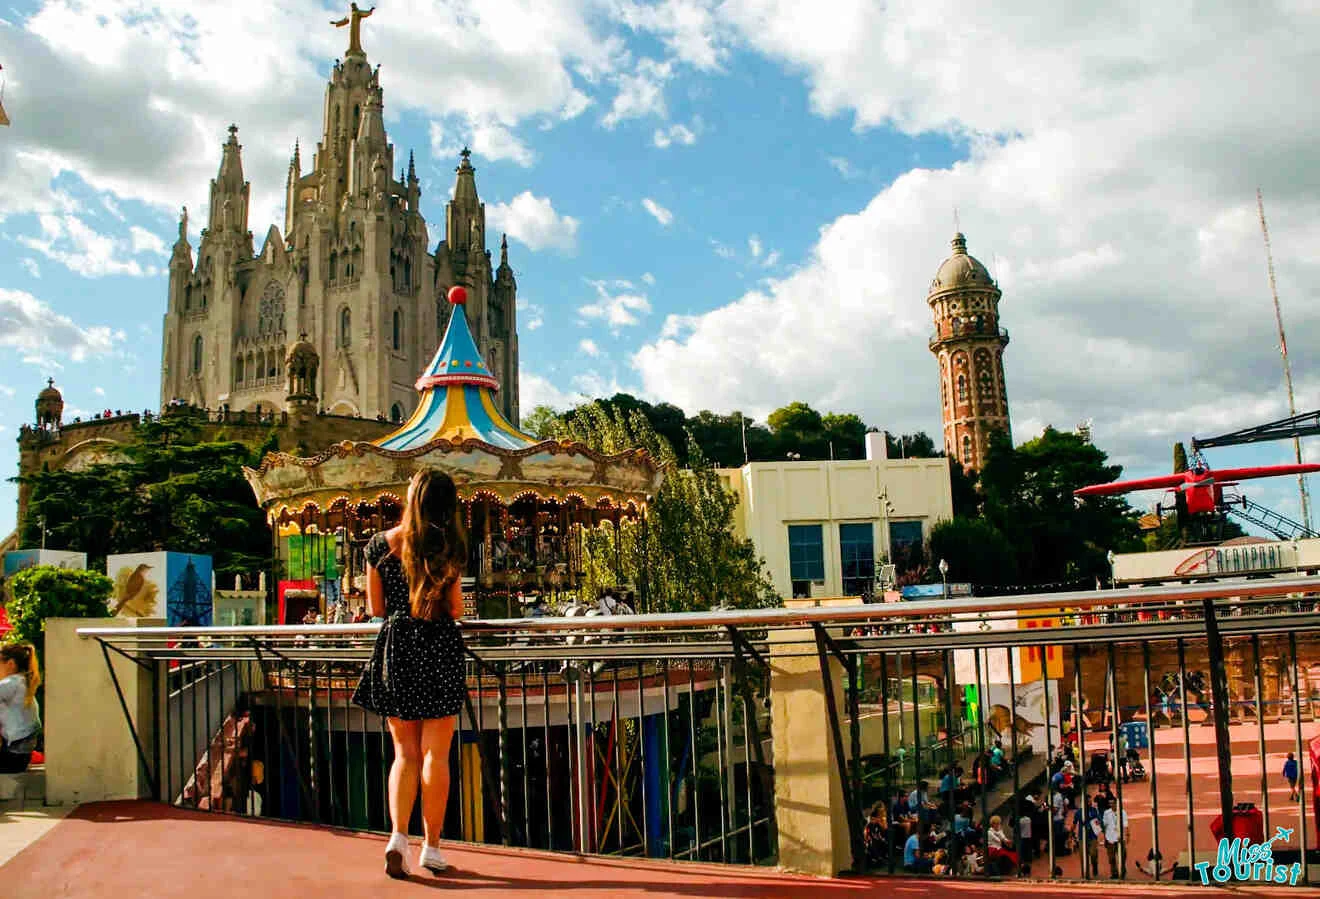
1280	526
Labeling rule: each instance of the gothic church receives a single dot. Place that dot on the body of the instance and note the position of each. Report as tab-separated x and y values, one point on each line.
351	273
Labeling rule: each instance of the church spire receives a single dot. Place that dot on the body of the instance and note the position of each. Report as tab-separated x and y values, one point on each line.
465	186
504	251
229	191
231	162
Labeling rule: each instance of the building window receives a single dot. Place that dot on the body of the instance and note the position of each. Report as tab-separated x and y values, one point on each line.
905	546
857	553
806	557
270	311
396	412
967	450
345	327
398	330
197	355
962	388
238	372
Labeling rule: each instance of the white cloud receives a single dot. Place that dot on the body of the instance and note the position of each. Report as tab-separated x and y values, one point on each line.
658	212
487	138
721	250
843	167
1114	204
43	336
31	267
689	29
588	347
99	391
648	278
535	390
641	93
617	310
754	246
674	134
533	221
153	88
69	241
146	242
772	259
533	316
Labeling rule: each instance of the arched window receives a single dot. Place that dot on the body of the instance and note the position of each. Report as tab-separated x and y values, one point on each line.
396	413
962	388
270	312
334	266
253	374
967	450
197	354
259	373
398	330
238	372
345	327
273	362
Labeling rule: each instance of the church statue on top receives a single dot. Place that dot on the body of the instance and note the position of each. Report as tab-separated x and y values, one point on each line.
351	271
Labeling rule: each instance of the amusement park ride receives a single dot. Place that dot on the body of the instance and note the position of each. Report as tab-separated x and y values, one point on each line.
1200	491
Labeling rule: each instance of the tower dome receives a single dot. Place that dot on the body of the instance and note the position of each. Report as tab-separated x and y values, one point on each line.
50	406
301	364
960	270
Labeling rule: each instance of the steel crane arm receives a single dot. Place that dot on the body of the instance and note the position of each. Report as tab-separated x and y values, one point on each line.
1305	425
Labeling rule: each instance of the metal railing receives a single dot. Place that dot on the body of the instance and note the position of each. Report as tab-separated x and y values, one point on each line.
650	735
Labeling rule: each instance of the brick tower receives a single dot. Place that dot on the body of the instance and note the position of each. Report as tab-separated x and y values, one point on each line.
969	345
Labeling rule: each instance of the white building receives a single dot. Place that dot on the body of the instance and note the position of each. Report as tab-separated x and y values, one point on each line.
822	527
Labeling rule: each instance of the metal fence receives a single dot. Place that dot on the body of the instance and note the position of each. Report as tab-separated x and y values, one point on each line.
652	735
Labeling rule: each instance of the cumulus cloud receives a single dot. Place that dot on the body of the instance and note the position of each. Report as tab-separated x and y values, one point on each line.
488	138
536	390
658	212
641	93
615	305
1109	186
532	220
754	246
43	336
71	242
533	316
674	134
588	347
31	267
648	278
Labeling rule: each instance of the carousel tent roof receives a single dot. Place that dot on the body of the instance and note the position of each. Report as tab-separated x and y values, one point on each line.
456	401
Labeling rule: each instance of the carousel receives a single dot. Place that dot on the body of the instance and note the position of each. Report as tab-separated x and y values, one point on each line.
526	500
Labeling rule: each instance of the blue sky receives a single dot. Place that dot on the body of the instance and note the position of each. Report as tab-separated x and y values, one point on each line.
720	204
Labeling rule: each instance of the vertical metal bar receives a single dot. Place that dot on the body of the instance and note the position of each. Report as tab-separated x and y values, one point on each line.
210	738
1115	712
313	745
1012	737
618	743
948	732
889	759
1154	767
696	787
980	731
1080	728
1260	734
585	808
526	773
721	756
898	662
545	752
916	723
642	757
854	732
1301	758
190	772
1049	751
503	747
750	733
330	743
593	780
1187	748
224	715
668	757
1219	697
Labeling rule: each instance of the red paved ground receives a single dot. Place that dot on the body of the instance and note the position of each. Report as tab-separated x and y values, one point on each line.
122	849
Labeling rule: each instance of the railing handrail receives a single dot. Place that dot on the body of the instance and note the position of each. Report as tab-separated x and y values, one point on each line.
753	618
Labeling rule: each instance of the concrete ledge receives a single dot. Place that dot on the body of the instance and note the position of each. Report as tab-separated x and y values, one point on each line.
27	788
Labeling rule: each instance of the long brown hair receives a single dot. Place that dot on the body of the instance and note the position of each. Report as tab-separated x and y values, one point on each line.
433	548
24	655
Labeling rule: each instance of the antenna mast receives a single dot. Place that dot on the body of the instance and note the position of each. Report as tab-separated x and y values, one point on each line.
1283	351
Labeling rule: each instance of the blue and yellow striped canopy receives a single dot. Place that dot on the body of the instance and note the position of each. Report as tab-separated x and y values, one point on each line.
457	402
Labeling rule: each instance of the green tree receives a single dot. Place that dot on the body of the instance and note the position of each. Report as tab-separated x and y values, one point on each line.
175	491
689	557
976	551
45	591
1027	495
799	429
912	446
1179	458
540	422
845	435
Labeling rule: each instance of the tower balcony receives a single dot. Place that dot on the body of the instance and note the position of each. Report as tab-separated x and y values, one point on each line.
963	329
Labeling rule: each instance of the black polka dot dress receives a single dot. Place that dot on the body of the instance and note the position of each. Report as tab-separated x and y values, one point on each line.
416	668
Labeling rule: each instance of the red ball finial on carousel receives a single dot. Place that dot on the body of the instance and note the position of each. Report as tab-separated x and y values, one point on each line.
458	295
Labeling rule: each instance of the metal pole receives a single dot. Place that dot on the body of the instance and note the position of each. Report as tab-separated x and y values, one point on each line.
1301	759
1219	696
1260	734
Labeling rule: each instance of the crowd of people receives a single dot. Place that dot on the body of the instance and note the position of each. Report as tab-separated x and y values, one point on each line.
948	833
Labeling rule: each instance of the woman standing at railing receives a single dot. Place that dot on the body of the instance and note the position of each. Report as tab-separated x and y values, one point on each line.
415	678
20	719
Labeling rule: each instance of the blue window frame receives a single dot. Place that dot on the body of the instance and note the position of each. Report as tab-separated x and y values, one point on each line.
806	552
905	545
857	553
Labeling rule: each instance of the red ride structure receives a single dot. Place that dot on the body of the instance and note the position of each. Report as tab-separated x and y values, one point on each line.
1202	488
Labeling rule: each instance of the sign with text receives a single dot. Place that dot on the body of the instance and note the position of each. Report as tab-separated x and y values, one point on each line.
1031	659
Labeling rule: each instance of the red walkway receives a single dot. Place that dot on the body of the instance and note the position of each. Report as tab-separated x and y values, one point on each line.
122	849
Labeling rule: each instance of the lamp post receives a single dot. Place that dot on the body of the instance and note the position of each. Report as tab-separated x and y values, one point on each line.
944	578
1110	557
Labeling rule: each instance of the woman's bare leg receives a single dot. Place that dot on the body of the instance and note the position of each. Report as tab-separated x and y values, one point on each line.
436	735
405	772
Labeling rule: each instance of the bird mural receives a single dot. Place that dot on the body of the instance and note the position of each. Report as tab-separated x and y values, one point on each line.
135	593
1001	719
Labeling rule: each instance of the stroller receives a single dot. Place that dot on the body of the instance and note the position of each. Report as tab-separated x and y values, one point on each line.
1099	772
1135	770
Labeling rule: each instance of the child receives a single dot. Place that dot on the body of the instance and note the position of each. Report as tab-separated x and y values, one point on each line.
1290	775
20	718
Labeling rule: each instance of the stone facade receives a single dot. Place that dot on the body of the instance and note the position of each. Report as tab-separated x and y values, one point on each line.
351	271
969	345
